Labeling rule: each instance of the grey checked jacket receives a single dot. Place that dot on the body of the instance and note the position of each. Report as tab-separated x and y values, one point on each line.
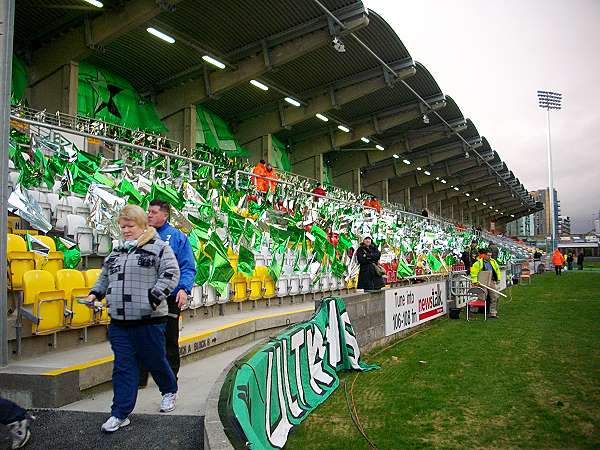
136	283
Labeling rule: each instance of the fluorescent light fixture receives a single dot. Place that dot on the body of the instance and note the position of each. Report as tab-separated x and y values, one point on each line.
484	204
379	147
467	194
95	3
456	188
321	117
259	85
213	61
160	35
365	140
437	178
418	168
476	199
292	101
443	181
427	172
396	156
491	207
496	210
344	128
512	215
406	161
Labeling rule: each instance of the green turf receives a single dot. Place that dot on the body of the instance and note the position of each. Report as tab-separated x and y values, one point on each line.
528	380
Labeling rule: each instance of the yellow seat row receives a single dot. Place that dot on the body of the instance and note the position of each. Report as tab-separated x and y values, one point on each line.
20	260
61	304
259	286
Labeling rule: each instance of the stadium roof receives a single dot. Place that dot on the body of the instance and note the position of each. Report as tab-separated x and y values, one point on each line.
288	46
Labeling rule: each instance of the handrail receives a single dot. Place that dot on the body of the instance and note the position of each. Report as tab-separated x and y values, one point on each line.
112	141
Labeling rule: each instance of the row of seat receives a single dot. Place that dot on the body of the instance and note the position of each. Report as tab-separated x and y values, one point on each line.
57	304
20	260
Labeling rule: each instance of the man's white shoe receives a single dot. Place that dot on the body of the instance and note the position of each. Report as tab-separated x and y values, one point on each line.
113	424
168	402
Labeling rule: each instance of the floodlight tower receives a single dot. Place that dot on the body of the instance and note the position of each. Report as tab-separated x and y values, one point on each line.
550	100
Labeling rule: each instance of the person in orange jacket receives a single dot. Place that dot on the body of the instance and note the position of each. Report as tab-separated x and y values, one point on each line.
264	169
558	260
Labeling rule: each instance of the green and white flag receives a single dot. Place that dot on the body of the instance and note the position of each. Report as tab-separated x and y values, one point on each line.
36	246
295	372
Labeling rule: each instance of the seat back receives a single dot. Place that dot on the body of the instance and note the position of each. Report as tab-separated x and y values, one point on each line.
19	260
73	284
90	276
238	287
294	285
47	241
268	284
69	279
78	229
34	282
103	244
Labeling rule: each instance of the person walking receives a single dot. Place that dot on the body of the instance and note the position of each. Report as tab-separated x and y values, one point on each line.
570	260
485	263
558	260
136	279
17	420
368	256
580	257
158	215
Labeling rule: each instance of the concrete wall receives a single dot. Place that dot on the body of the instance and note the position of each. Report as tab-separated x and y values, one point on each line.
57	92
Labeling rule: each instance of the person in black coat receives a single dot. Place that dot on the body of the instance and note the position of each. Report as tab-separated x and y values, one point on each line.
368	256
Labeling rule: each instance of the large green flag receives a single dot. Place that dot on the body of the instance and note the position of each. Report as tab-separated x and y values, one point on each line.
295	372
71	253
434	262
404	270
246	261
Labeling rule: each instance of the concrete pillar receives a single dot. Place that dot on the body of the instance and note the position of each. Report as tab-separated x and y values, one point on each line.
385	190
407	202
189	127
58	91
356	184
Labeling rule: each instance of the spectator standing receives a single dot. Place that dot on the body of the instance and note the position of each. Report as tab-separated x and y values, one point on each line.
570	260
136	279
558	260
493	248
18	422
485	263
261	171
368	256
158	215
580	257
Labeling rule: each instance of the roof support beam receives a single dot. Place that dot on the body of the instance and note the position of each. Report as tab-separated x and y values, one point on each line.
80	42
365	159
365	84
193	91
384	121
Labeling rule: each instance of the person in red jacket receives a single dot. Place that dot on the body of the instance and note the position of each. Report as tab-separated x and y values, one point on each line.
319	190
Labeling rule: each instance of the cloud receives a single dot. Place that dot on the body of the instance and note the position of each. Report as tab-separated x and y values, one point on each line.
492	57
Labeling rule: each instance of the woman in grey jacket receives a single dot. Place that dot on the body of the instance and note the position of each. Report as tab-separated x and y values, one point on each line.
136	279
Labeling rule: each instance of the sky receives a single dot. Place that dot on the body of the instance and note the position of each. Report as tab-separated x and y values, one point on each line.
492	57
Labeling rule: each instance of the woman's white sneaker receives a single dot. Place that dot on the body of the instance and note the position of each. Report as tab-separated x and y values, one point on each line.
113	424
168	402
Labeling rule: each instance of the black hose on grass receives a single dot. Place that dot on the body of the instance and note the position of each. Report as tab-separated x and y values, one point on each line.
355	419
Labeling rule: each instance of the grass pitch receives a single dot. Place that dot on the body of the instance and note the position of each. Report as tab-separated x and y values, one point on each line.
528	380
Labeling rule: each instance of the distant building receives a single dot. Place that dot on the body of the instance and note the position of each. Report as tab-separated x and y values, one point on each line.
597	224
564	226
538	223
542	218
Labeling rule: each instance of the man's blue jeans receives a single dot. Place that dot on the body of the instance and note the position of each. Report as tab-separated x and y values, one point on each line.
132	345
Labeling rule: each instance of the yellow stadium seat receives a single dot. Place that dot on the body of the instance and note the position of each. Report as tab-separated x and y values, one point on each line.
239	287
47	302
19	261
256	287
24	232
73	283
90	276
268	285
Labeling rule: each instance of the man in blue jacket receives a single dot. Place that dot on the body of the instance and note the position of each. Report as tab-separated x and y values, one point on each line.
158	215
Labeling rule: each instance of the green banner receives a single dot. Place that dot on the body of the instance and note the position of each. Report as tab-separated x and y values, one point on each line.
293	374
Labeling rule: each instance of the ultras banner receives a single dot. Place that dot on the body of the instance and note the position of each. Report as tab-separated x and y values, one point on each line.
293	374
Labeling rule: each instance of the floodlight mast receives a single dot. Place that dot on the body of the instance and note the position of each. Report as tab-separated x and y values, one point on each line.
550	100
